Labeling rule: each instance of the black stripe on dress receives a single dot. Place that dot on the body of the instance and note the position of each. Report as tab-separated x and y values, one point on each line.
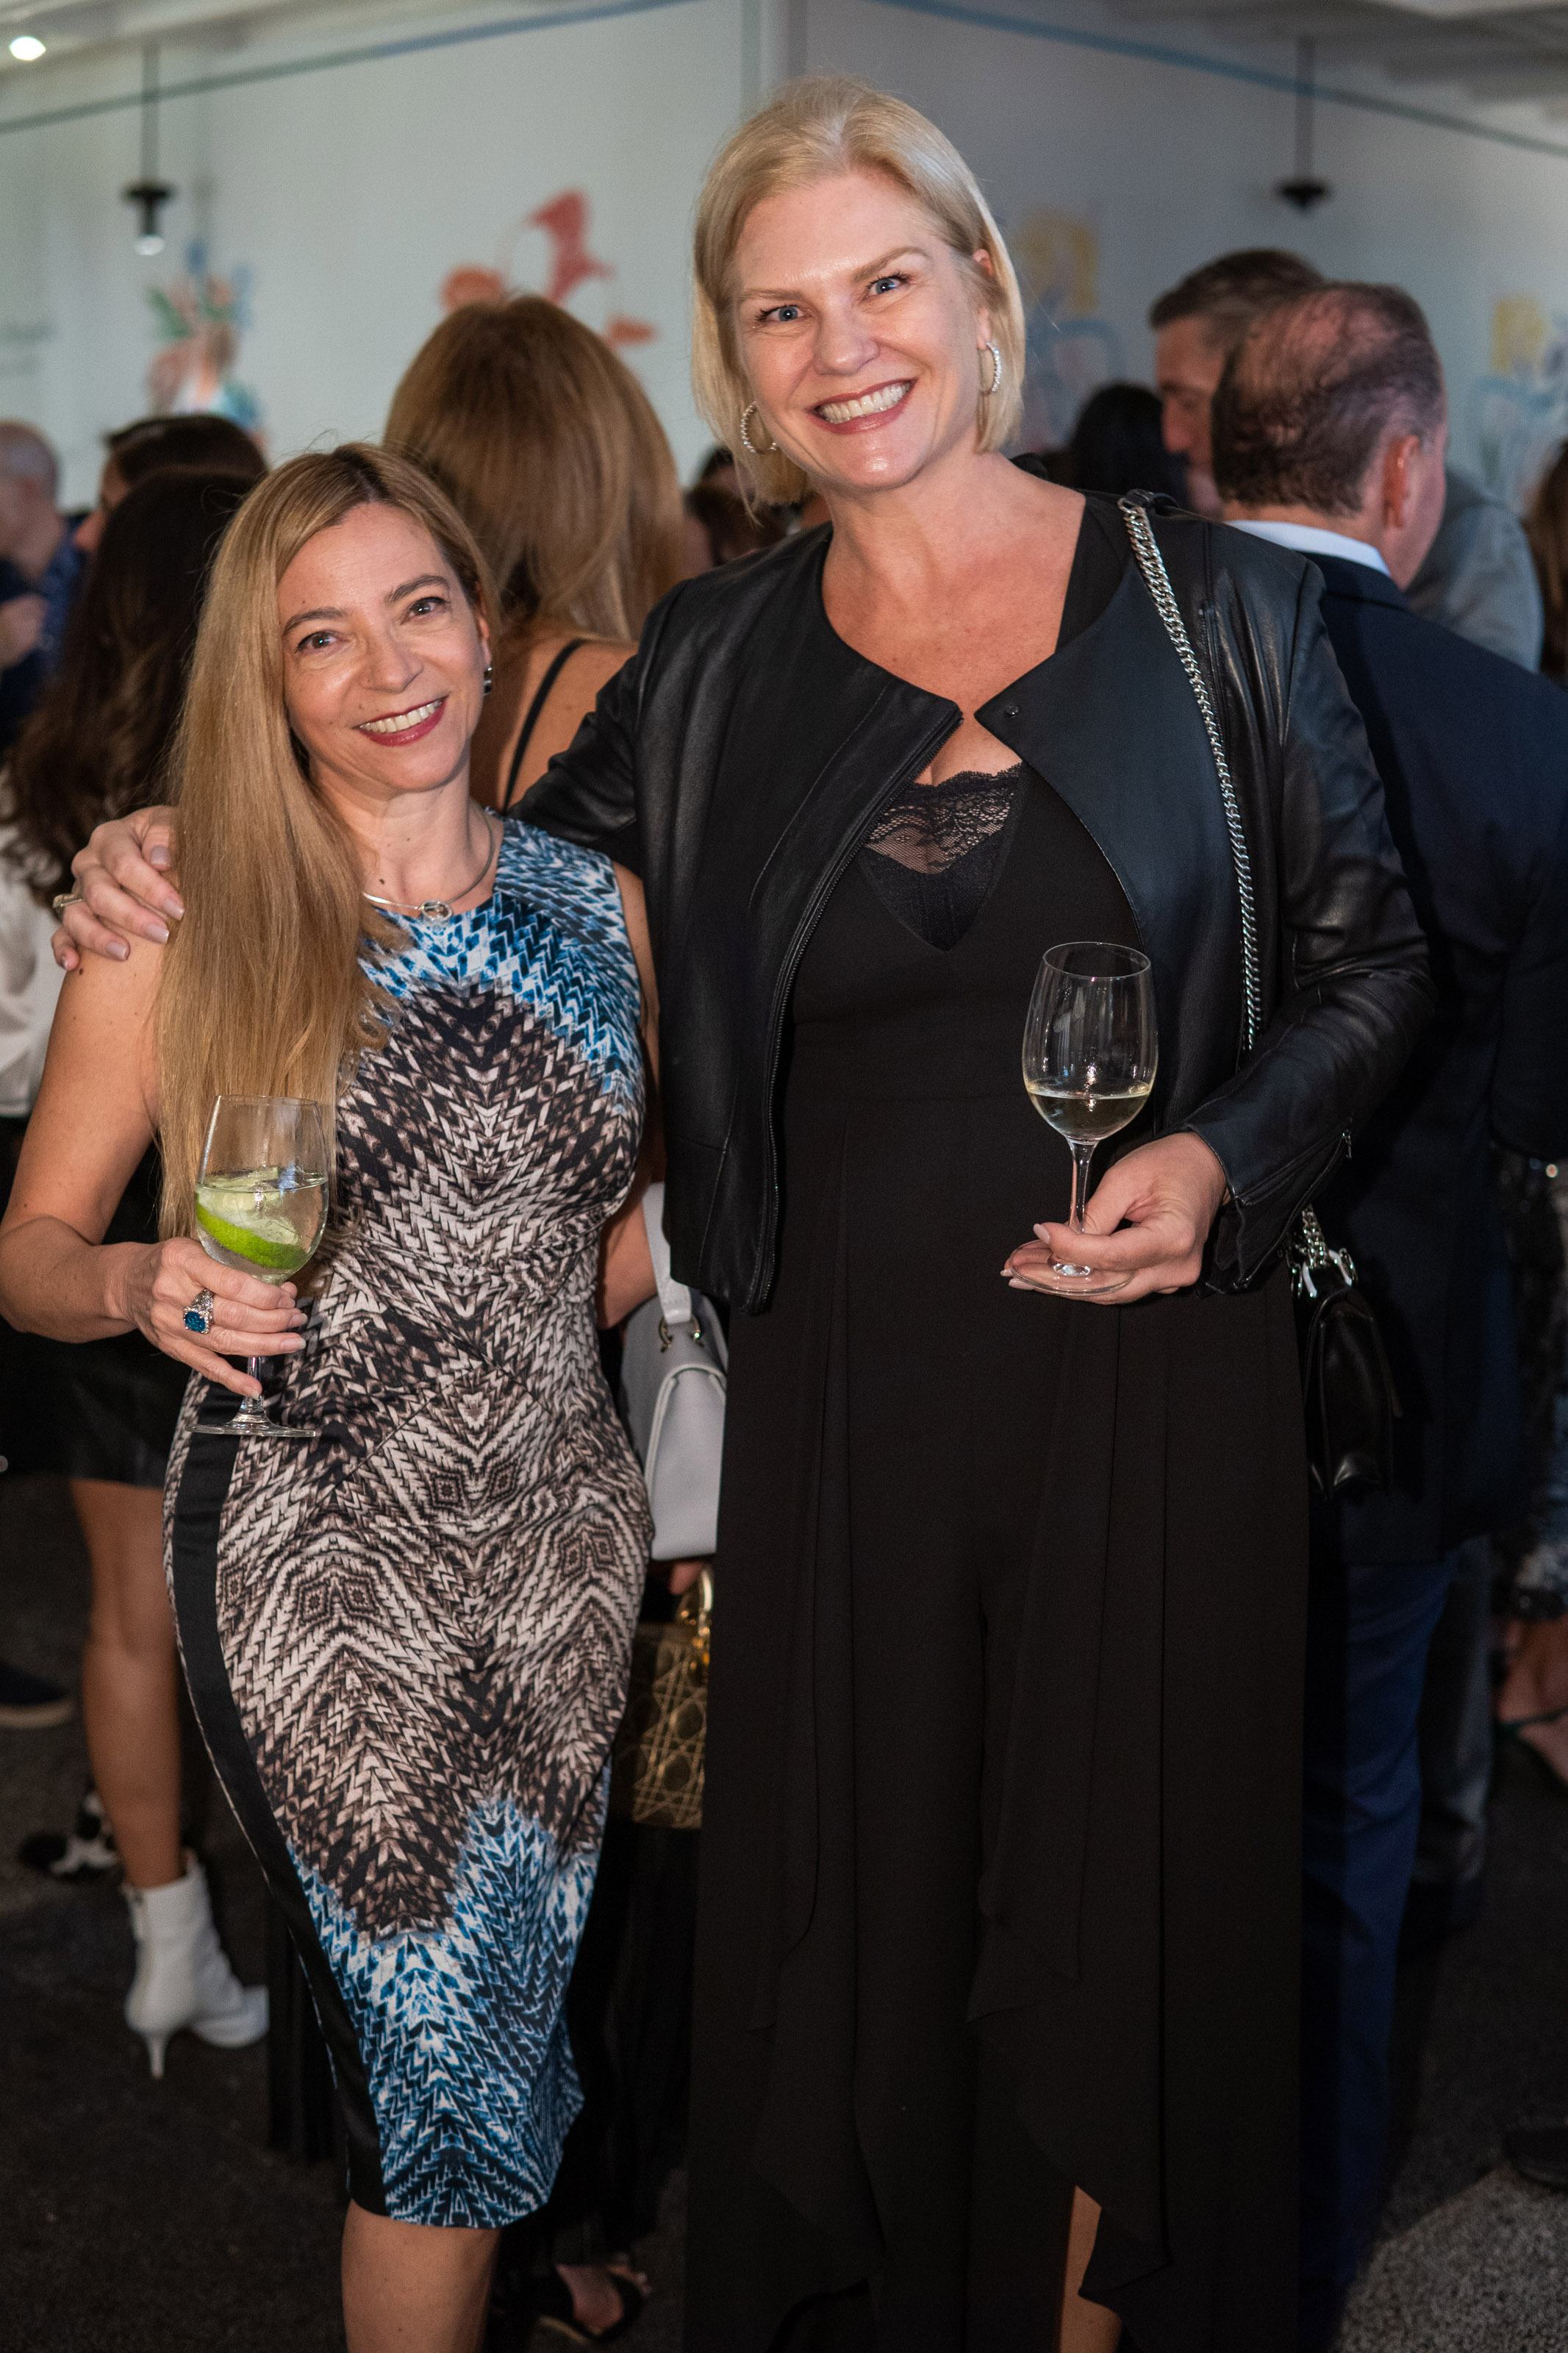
198	1512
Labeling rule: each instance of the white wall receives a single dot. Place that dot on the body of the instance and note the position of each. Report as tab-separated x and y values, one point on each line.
346	194
344	197
1122	174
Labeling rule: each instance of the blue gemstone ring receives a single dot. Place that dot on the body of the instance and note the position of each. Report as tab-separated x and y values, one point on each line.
199	1314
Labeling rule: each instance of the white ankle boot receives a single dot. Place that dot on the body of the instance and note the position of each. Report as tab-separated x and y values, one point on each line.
183	1975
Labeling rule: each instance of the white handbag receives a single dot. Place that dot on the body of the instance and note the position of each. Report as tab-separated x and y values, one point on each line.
674	1366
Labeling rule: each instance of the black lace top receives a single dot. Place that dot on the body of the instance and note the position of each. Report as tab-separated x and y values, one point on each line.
936	850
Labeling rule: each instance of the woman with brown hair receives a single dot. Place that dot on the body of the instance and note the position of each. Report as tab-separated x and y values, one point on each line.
549	450
96	747
405	1621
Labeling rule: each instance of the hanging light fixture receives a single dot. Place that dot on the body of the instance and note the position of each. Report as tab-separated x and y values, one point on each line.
149	194
26	49
1304	189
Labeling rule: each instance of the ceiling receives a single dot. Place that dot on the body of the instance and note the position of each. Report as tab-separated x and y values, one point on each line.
76	28
1489	52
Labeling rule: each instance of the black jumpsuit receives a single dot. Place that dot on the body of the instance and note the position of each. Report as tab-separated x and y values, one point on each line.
1000	1861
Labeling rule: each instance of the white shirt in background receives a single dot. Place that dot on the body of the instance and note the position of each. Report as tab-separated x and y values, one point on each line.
1309	539
30	987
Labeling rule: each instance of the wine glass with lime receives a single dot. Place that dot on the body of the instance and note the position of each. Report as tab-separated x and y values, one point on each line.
261	1204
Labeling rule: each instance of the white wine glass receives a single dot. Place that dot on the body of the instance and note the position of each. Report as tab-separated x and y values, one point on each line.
261	1204
1090	1051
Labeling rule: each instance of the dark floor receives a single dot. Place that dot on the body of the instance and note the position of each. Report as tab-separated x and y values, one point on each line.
143	2218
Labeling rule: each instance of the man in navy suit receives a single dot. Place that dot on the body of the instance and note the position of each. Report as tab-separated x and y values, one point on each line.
1330	430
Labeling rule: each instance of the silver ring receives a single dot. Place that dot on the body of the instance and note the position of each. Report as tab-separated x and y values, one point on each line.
199	1314
64	899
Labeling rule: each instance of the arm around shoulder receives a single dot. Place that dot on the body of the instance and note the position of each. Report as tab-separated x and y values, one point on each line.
125	889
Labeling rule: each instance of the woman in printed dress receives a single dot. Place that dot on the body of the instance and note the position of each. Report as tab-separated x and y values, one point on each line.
405	1626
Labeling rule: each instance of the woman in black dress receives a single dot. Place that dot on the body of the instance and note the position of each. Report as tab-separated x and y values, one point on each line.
996	1966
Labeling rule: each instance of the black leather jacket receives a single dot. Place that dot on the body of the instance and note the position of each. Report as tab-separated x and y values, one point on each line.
740	757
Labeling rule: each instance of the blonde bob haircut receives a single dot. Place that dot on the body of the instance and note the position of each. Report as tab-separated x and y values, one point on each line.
262	991
812	131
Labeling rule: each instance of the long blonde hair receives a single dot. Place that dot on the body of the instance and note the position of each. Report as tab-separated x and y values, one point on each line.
812	131
262	991
549	450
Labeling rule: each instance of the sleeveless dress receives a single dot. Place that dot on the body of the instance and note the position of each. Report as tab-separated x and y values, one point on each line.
1000	1879
406	1628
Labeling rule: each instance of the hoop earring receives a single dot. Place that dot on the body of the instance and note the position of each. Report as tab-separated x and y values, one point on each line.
996	383
746	441
490	676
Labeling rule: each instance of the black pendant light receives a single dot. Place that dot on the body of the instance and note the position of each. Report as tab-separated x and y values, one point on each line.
149	194
1304	189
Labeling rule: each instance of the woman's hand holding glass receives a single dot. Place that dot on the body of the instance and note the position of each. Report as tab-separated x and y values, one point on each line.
249	1317
1148	1219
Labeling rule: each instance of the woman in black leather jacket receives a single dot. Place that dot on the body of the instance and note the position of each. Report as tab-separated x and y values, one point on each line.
999	1868
998	1948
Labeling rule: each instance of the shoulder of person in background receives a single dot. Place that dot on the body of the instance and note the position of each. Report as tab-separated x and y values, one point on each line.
1474	749
1479	578
533	713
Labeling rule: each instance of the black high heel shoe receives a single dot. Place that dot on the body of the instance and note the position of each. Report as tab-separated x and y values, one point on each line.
553	2310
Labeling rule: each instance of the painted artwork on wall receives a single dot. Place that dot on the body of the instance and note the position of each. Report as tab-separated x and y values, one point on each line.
1072	351
200	320
555	243
1518	410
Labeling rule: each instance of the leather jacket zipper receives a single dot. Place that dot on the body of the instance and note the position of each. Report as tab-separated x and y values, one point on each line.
827	882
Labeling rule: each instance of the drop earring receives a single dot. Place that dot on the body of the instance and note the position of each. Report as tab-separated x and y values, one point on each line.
490	676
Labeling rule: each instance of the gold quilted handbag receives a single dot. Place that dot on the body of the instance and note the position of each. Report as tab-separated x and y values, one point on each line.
655	1771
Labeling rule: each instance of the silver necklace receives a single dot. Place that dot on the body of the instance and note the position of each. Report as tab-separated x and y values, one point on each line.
439	911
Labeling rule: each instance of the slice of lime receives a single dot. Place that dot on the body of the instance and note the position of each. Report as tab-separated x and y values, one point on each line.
265	1240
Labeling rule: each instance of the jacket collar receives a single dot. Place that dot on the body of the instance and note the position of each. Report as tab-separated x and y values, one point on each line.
1112	723
1360	583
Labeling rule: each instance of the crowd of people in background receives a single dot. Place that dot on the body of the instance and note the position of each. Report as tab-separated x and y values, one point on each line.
945	1781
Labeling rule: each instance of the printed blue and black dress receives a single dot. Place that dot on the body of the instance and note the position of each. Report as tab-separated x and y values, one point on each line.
407	1628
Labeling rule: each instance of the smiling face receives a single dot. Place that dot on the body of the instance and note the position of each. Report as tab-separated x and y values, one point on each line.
384	658
858	330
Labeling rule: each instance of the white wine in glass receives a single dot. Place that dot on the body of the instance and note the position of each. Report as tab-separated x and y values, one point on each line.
261	1204
1090	1051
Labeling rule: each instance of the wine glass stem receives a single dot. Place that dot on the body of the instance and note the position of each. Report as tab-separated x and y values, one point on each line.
253	1366
1082	1154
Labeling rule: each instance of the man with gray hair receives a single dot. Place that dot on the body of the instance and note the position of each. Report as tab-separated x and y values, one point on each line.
1328	433
40	571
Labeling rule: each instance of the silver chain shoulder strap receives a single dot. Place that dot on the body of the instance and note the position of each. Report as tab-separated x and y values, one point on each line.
1151	565
1309	1245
